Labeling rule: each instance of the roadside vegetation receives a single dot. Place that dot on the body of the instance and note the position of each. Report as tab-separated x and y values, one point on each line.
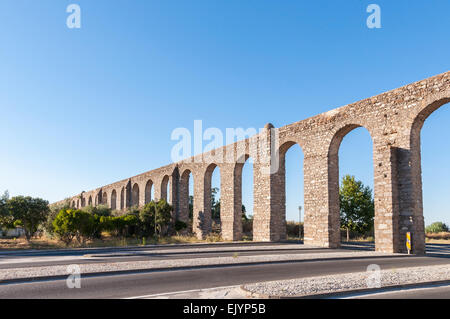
357	214
437	232
47	226
356	209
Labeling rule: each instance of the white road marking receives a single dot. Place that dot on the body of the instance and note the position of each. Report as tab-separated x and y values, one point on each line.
31	260
182	292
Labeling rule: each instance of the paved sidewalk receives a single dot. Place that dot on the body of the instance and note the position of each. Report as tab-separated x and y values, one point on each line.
359	281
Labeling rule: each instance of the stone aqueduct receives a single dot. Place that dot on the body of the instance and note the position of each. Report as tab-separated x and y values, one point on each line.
394	120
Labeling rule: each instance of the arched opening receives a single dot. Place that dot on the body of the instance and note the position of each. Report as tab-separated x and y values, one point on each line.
135	195
165	189
104	199
212	198
149	191
73	204
78	203
430	149
90	201
186	197
122	199
291	187
351	183
114	200
244	178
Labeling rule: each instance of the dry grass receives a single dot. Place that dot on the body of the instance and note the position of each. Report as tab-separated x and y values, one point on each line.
106	241
36	243
438	238
444	235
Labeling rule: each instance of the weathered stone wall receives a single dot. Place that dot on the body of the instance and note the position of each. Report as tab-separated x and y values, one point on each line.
394	120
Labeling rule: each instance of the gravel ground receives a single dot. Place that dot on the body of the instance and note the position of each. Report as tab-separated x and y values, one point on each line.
347	282
42	271
201	249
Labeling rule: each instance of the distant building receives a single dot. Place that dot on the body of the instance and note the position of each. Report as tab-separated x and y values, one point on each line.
16	232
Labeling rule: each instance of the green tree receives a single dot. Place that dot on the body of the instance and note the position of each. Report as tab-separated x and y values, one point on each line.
147	219
6	219
75	223
244	213
28	213
357	206
437	227
191	207
155	218
100	210
64	226
120	226
54	211
215	204
163	217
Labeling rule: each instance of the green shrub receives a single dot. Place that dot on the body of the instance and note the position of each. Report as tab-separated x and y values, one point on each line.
70	224
293	228
64	226
437	227
247	226
100	210
30	213
180	225
54	211
120	226
155	212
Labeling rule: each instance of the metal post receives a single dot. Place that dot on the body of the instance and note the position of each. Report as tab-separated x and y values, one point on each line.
299	222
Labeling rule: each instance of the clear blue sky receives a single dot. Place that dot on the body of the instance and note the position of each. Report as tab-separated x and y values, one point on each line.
83	108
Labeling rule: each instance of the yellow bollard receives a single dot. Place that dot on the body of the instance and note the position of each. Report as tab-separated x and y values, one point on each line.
408	242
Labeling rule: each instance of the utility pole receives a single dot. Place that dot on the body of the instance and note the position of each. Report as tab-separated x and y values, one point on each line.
299	222
156	212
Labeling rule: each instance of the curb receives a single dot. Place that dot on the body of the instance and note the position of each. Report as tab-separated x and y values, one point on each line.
118	248
39	251
256	295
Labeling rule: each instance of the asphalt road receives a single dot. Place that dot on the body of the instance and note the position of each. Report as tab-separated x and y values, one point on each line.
147	256
141	284
16	259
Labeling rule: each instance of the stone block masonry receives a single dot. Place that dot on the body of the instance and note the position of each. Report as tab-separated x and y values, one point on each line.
394	120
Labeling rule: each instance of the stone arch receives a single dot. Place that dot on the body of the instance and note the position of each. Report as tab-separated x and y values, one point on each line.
280	186
135	195
122	198
90	201
105	198
333	182
164	185
73	204
78	203
208	195
411	200
237	185
148	191
184	195
113	204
